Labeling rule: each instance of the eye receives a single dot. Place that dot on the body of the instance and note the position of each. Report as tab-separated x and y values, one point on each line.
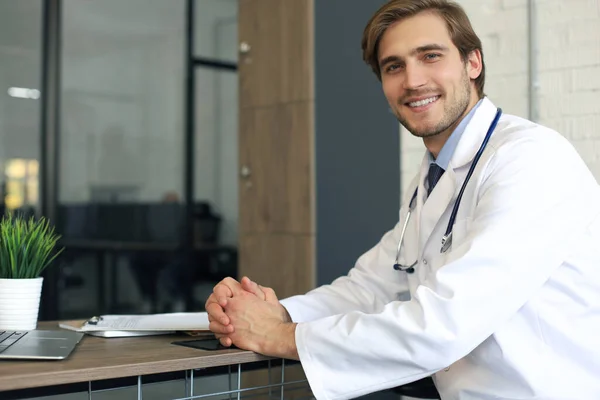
432	56
392	67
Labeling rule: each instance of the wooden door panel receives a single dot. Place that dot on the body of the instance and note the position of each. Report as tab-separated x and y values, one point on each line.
260	72
295	153
257	126
282	262
276	145
278	68
297	52
276	141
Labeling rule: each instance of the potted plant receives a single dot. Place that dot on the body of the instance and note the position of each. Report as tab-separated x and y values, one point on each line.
27	247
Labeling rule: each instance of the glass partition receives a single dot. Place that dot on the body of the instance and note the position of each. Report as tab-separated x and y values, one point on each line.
215	30
216	161
121	151
20	98
122	103
122	168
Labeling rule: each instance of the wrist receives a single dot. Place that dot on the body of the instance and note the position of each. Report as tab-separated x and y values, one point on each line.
288	343
285	315
283	342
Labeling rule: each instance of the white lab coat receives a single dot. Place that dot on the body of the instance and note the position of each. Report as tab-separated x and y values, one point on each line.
511	311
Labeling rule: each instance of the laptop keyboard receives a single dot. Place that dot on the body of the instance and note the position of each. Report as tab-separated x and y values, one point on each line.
8	338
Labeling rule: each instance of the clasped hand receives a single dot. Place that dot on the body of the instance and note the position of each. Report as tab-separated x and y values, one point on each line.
250	317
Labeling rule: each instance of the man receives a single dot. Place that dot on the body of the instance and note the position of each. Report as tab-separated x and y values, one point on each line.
508	305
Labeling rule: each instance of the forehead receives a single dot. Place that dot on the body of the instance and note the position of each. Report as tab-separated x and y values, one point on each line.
406	35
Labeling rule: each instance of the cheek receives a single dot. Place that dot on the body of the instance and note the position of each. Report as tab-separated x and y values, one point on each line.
447	78
391	91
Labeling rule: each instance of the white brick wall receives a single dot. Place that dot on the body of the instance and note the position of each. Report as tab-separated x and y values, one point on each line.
568	70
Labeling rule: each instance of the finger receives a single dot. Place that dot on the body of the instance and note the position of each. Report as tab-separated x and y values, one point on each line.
216	314
215	311
218	328
224	340
270	295
233	286
225	289
211	299
223	321
252	287
221	293
218	297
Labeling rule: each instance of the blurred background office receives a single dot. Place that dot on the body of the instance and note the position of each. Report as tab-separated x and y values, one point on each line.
103	150
172	143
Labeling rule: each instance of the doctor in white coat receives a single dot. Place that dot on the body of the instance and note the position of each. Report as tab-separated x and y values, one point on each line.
507	306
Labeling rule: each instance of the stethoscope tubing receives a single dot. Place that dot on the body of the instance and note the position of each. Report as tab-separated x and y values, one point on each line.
447	238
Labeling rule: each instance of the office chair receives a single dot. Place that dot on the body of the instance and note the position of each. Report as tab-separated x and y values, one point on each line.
421	389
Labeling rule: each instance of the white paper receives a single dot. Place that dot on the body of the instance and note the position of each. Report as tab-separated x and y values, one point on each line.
121	334
152	322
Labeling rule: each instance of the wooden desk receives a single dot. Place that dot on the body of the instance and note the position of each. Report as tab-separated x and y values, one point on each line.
98	358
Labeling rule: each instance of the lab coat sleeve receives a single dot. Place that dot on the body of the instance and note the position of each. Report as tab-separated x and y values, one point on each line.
530	209
368	287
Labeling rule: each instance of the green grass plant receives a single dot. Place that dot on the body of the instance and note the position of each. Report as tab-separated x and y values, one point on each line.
27	247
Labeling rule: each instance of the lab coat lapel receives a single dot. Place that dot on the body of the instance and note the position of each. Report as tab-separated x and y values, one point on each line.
430	210
474	134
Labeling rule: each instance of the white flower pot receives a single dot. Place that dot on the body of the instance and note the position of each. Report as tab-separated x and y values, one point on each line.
19	303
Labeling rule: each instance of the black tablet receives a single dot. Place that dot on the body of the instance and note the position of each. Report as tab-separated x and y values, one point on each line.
203	344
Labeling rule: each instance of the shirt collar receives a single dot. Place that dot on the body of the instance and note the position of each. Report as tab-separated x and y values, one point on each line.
443	159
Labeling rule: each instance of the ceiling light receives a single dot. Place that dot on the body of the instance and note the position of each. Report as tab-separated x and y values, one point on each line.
24	93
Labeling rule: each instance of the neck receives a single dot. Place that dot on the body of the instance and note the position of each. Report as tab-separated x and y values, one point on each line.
435	143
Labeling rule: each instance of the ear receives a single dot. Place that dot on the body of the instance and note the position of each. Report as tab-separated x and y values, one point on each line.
474	64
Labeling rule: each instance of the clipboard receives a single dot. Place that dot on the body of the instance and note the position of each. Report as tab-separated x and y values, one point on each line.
194	324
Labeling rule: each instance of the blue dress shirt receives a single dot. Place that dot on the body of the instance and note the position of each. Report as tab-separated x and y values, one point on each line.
443	159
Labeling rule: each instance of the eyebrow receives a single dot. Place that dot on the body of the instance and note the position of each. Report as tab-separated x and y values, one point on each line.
417	50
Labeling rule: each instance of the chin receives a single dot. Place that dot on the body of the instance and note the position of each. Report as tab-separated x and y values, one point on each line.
421	129
424	133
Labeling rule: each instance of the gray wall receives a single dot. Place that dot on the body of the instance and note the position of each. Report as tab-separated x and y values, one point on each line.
357	141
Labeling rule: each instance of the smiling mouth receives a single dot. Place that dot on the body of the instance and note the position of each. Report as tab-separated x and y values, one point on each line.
423	102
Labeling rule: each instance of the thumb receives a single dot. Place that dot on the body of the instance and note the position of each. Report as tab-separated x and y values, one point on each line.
252	287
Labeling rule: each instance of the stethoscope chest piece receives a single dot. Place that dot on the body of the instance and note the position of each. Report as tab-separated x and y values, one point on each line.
446	242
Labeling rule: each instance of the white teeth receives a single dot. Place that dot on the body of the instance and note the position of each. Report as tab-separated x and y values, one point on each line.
421	103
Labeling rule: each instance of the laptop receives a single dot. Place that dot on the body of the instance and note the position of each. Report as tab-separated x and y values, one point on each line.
38	344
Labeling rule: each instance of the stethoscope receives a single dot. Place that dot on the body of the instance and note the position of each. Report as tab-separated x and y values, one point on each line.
447	238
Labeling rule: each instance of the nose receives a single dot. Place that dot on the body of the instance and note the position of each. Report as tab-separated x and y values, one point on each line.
414	77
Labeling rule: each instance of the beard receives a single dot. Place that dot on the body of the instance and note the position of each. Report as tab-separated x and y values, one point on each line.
453	110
